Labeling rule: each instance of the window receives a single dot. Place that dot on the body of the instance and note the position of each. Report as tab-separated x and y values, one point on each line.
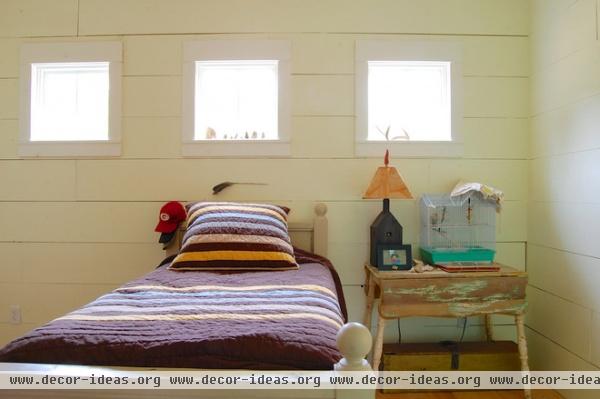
70	99
236	98
408	99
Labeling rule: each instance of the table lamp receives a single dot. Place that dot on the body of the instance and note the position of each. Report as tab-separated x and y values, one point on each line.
385	230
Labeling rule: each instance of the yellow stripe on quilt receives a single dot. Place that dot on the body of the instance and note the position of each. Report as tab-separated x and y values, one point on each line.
233	255
205	209
237	238
241	268
214	316
303	287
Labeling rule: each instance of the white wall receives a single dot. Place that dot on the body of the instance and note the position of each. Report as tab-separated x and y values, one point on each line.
564	215
72	229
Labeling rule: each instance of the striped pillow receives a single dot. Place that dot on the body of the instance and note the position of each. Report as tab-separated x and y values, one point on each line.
235	236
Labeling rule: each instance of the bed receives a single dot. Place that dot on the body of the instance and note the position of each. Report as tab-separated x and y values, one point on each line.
208	320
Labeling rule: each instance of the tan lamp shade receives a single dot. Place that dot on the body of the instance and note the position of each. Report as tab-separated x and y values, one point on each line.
387	183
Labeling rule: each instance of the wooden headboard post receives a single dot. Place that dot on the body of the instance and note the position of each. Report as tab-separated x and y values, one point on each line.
318	229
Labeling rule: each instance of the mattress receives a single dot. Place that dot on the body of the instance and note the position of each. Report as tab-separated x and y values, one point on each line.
273	320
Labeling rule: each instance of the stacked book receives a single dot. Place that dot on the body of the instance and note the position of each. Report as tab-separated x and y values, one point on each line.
455	267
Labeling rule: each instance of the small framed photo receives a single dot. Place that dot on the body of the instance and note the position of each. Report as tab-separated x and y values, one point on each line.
394	257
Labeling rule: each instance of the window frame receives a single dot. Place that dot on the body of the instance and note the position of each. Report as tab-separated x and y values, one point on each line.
224	50
408	50
107	51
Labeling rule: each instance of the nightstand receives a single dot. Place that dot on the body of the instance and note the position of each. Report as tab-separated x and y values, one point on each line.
441	294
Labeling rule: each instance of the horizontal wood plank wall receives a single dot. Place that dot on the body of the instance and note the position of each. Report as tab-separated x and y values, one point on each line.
74	228
563	255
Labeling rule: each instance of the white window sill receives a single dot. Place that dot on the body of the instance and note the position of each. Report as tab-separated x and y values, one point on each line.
410	149
232	148
40	149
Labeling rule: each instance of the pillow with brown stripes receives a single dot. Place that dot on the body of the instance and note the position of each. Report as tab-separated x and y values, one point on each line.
235	236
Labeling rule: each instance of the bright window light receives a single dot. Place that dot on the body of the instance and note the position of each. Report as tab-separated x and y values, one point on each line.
69	101
409	101
236	100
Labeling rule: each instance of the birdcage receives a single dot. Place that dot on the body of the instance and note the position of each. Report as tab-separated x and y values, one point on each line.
457	229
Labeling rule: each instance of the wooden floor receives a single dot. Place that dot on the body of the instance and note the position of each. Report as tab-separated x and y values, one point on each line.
537	394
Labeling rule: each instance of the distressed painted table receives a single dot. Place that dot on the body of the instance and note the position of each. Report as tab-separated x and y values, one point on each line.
441	294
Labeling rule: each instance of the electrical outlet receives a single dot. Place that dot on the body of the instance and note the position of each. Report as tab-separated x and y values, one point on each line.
15	314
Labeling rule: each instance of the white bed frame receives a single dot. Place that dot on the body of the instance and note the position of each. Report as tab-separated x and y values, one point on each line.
354	342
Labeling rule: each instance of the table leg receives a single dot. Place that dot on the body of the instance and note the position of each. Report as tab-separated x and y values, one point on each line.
522	342
489	332
370	299
378	347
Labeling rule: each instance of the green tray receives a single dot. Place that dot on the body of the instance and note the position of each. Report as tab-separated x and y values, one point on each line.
433	256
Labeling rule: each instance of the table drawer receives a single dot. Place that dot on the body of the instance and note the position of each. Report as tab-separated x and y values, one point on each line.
456	297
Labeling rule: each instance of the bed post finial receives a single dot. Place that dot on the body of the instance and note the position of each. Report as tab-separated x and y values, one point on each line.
354	342
320	230
321	209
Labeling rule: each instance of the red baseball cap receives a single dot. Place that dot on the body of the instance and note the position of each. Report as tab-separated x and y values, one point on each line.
171	214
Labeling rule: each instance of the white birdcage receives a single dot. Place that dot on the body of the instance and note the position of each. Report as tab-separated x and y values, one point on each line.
457	229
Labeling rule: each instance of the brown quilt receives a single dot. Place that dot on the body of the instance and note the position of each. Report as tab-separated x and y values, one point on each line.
250	320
